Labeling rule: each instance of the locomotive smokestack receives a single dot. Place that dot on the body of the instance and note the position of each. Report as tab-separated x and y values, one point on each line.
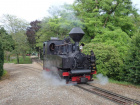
76	34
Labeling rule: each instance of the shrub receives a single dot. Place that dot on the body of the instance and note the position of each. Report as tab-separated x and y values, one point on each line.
116	38
132	61
1	59
108	60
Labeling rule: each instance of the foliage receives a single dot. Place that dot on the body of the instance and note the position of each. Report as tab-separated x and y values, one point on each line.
1	59
7	43
34	27
124	83
116	38
99	14
132	61
4	72
21	60
107	59
58	25
27	60
17	28
6	39
112	23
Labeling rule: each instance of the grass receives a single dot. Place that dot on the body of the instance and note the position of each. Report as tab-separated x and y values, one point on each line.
4	75
128	84
4	72
21	60
124	83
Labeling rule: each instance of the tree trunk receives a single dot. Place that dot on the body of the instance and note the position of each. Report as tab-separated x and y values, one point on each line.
39	54
24	55
17	59
8	57
96	3
105	21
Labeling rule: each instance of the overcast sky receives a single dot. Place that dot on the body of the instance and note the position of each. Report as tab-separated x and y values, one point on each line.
31	10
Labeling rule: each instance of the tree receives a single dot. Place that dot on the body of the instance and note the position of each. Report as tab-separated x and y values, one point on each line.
7	42
117	38
17	28
132	61
99	14
6	39
59	24
1	59
34	27
111	24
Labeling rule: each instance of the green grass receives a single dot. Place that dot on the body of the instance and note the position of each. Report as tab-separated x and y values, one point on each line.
124	83
4	72
11	61
121	82
21	60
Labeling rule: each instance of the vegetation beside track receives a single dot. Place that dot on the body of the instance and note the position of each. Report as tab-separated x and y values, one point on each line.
1	59
27	60
124	83
4	72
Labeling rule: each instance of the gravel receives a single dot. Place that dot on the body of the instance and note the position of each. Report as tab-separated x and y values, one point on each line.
26	85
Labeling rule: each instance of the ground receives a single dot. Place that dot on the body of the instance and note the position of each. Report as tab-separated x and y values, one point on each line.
27	84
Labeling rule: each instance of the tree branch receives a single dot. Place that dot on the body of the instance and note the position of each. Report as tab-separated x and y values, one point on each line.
110	12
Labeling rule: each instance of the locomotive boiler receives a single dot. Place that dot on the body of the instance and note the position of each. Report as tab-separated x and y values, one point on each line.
71	63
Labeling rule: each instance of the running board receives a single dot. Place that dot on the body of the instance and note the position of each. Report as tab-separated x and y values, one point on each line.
87	71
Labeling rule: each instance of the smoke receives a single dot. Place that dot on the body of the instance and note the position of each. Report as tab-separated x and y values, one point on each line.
103	80
52	77
67	13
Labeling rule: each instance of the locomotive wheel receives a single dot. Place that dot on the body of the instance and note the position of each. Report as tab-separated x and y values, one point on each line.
67	79
62	77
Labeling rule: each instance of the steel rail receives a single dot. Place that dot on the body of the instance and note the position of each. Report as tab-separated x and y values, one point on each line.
123	97
110	95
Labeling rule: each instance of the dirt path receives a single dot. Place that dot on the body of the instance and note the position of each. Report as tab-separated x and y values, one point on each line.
26	85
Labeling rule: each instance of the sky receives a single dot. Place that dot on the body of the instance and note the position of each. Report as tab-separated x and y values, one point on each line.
31	10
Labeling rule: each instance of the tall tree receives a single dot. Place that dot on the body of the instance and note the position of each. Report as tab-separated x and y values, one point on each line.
59	24
6	39
17	28
99	14
34	27
1	60
132	61
7	43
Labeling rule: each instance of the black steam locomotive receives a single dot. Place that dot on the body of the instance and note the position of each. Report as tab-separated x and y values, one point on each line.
71	64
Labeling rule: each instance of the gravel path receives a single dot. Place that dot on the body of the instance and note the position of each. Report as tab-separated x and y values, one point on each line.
26	85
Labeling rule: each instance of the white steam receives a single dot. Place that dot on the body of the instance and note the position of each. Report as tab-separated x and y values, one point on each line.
52	77
103	80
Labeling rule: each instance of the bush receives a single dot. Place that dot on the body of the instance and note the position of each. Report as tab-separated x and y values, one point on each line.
1	59
116	38
108	60
132	61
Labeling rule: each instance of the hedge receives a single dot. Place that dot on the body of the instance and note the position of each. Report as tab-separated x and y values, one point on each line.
1	59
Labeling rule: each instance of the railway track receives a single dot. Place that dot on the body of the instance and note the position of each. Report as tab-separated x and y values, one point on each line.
121	100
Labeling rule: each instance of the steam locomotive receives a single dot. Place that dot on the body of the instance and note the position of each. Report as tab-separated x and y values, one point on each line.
72	65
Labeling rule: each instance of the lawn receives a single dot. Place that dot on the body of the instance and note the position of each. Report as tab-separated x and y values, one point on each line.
21	60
